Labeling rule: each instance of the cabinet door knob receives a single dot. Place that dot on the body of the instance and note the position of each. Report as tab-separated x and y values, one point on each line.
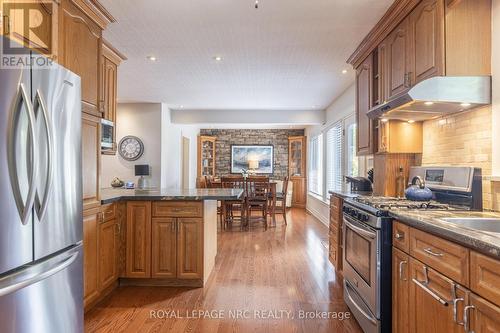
399	236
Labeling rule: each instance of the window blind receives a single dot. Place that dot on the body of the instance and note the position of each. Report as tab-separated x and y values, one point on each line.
315	165
334	157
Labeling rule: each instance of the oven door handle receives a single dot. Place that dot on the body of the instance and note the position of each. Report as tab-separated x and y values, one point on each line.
363	312
360	230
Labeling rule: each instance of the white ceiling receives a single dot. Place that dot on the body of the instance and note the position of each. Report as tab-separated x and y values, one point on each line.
288	54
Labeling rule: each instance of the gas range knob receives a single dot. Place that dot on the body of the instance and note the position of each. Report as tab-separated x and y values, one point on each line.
353	213
365	218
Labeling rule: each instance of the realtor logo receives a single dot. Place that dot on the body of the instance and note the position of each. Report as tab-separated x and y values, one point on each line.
26	26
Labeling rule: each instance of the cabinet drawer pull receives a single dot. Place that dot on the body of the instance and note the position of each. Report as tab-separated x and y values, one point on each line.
401	264
432	253
399	236
466	318
430	292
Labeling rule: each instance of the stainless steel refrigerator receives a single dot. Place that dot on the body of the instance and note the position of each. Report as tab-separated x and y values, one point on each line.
41	257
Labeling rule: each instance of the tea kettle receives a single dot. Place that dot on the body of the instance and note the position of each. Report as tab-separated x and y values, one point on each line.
417	191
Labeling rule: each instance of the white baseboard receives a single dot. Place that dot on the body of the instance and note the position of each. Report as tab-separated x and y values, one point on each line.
319	216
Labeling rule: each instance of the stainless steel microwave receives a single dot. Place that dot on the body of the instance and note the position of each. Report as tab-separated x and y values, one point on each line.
107	130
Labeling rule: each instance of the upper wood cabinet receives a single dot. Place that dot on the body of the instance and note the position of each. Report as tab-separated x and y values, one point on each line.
397	75
111	59
80	41
363	105
427	40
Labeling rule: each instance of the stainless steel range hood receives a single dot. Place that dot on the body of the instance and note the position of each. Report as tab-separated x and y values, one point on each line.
436	97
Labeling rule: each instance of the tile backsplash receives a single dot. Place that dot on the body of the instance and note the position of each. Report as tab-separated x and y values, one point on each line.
463	139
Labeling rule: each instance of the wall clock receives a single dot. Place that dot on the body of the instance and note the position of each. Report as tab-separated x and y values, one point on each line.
131	148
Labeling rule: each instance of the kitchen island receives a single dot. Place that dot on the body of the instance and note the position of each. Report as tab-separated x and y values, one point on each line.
166	237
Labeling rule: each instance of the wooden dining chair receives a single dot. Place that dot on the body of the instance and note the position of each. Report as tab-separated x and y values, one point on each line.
229	207
257	198
281	198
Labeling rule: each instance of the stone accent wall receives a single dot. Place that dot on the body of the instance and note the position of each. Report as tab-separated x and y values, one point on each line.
463	139
276	137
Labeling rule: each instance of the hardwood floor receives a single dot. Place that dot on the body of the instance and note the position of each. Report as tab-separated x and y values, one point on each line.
281	269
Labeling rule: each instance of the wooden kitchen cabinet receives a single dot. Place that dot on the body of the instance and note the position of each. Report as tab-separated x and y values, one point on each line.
90	257
138	239
80	40
400	291
335	232
427	44
206	156
164	248
396	136
190	248
399	61
363	104
108	252
91	160
297	170
110	60
430	301
483	316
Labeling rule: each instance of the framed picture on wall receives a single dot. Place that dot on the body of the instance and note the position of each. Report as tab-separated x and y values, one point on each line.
255	158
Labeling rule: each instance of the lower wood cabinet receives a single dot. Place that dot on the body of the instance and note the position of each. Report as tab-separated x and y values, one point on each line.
164	247
90	257
335	232
400	291
190	248
138	263
108	252
426	296
431	301
299	194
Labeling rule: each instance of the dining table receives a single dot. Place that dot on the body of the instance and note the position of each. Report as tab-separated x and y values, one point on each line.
273	198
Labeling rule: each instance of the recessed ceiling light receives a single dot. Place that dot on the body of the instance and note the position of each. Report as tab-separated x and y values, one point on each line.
429	103
344	71
218	58
465	105
384	120
411	121
152	58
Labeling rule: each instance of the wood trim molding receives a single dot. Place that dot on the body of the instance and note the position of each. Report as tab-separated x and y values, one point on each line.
112	52
392	17
96	11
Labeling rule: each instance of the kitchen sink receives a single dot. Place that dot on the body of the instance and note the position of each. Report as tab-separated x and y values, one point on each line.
477	223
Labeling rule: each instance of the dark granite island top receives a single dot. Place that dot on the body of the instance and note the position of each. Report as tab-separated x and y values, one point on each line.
432	221
346	194
109	195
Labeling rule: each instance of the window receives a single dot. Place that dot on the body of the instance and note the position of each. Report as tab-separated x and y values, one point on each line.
352	164
316	165
334	157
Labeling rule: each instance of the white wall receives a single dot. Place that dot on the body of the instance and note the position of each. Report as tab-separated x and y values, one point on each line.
495	70
171	152
144	121
341	108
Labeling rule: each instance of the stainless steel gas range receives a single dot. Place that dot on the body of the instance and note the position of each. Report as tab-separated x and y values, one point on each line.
367	238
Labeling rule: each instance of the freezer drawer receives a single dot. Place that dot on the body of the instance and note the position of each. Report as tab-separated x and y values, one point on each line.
44	297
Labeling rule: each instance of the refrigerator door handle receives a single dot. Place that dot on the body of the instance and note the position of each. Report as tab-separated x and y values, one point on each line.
41	204
38	276
24	208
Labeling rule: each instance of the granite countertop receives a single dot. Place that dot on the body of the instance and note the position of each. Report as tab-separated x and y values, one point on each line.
431	221
109	195
345	194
